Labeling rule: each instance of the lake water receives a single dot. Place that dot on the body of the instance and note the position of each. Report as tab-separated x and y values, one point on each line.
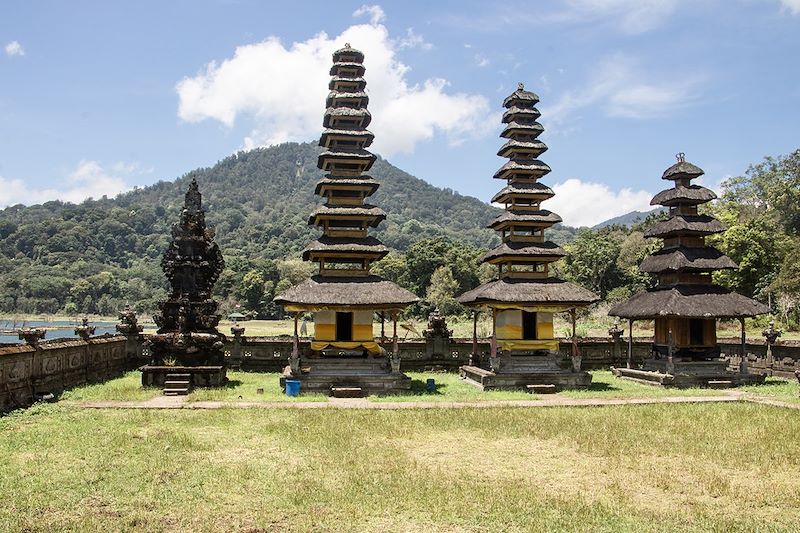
64	329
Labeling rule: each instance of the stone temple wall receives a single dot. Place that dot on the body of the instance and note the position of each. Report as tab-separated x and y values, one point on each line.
28	372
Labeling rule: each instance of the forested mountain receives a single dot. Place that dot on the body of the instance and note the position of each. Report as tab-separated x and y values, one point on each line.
94	256
629	219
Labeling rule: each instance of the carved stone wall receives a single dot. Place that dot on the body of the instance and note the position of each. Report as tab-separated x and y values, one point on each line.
28	372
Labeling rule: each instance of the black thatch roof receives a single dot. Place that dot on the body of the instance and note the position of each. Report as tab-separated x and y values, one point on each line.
361	134
349	64
512	290
534	166
349	212
369	246
682	170
540	190
686	225
530	129
528	112
689	301
537	147
687	259
693	194
358	112
333	291
543	217
360	82
348	50
354	181
525	250
521	96
335	95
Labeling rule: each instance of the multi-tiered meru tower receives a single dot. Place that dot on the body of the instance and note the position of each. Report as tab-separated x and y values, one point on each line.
685	304
344	296
522	300
188	349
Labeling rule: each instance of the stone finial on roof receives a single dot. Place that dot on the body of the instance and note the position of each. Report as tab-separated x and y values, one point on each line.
681	157
520	86
347	45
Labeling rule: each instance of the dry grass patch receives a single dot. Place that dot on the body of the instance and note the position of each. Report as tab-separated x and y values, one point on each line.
630	468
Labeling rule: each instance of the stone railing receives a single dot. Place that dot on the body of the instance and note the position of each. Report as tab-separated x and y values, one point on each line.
37	368
40	368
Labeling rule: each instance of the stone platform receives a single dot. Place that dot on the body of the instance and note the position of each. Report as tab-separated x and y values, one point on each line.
372	375
518	372
200	376
687	374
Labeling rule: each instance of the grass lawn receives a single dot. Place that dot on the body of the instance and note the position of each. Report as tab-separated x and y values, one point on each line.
702	467
779	389
450	387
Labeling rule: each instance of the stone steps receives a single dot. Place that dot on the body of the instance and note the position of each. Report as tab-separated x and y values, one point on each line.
177	384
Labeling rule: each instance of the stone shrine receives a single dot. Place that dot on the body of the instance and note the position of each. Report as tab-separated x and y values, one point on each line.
187	349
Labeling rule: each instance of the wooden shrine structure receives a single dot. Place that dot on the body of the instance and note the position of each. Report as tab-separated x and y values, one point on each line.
344	296
685	304
523	298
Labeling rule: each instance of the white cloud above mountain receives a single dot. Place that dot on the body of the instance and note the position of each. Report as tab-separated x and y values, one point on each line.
586	203
89	179
282	88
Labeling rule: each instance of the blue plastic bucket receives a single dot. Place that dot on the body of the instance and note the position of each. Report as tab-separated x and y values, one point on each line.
292	387
430	385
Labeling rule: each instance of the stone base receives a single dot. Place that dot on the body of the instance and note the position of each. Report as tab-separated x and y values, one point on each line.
687	374
371	375
517	372
201	376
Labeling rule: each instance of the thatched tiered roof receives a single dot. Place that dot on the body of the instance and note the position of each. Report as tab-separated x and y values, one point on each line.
685	263
524	254
345	251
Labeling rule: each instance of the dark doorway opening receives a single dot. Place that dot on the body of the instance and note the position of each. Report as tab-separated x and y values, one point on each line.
344	326
529	325
696	332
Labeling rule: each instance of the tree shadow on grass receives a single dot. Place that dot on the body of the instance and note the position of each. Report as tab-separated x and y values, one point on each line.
420	388
602	387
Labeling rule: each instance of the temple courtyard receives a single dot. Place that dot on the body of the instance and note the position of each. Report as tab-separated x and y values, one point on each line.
702	460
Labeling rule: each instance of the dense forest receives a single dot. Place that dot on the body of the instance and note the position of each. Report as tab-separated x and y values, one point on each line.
99	255
96	256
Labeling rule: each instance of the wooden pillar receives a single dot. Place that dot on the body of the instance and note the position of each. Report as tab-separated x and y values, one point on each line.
493	346
395	346
670	361
474	358
743	363
574	335
630	343
296	340
383	331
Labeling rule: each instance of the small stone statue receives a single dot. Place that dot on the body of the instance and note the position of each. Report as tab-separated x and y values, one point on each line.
85	331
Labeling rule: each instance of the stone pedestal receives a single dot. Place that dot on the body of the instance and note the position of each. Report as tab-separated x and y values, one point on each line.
518	372
373	375
201	376
678	373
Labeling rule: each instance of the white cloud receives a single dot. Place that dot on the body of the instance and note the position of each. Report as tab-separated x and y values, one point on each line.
88	180
584	203
413	40
14	49
632	16
626	16
481	60
375	12
793	6
283	88
621	89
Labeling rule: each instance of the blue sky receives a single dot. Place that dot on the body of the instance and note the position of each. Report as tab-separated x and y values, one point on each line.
98	97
